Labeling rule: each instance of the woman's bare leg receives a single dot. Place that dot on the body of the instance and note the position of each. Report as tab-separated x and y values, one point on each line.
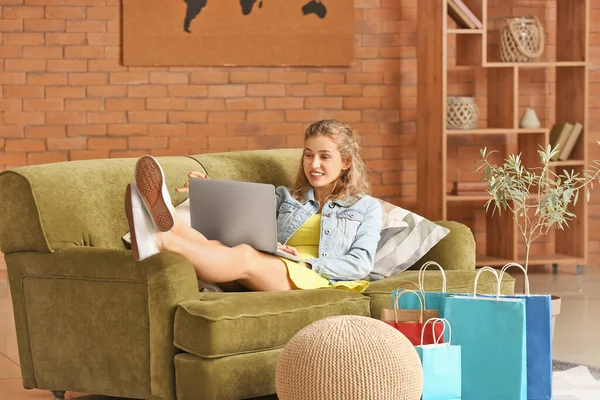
217	263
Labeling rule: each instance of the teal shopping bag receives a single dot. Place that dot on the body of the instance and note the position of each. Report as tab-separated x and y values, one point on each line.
441	365
491	333
433	300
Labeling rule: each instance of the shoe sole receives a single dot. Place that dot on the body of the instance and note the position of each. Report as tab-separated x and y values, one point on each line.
149	181
129	213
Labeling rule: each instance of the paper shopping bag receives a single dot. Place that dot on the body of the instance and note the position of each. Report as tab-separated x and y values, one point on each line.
410	322
432	300
539	340
491	333
441	366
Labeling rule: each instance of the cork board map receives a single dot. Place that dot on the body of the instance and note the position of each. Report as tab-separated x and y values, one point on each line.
238	32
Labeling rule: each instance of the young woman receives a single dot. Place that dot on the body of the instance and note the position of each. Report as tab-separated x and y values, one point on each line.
328	219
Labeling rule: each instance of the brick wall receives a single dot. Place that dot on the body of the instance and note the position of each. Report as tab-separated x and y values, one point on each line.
65	96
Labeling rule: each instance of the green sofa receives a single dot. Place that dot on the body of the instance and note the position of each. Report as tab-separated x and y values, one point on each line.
91	319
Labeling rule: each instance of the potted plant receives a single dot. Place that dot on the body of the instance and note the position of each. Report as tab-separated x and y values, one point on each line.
538	197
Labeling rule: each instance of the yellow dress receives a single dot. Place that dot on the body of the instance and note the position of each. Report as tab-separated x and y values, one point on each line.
306	241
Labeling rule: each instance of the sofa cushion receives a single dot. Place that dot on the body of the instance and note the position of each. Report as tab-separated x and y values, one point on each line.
225	324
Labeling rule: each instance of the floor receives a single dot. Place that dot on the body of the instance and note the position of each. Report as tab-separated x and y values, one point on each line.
575	338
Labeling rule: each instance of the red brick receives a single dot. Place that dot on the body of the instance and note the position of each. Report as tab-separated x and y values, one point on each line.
245	104
96	143
2	143
169	78
109	13
14	51
88	154
44	25
148	142
65	38
11	105
86	130
105	91
44	2
284	129
191	143
266	142
88	78
216	117
165	104
112	52
147	91
323	102
325	77
359	103
113	26
112	65
63	12
288	76
13	131
13	158
45	131
127	129
188	90
22	12
67	143
176	117
43	105
84	104
266	90
306	90
106	117
212	77
25	39
167	130
23	118
11	25
205	104
13	65
65	117
25	145
47	157
61	92
344	90
381	115
12	78
282	103
227	91
128	78
86	52
103	39
85	26
248	77
206	129
364	77
245	129
42	52
125	104
224	143
265	116
303	115
150	117
36	78
345	115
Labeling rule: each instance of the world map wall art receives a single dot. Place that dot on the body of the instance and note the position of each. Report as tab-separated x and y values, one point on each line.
238	32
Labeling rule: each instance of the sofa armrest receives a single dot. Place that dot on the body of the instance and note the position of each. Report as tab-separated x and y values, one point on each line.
102	313
454	252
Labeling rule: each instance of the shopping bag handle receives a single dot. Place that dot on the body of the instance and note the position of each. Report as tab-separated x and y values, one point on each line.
482	270
396	291
436	339
514	264
422	275
398	298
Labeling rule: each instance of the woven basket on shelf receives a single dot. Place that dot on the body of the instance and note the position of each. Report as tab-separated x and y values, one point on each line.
461	113
522	40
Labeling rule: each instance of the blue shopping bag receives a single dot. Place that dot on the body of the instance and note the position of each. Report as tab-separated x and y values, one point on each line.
539	340
491	333
433	300
441	365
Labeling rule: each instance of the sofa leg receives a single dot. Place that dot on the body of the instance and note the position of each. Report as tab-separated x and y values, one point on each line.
58	394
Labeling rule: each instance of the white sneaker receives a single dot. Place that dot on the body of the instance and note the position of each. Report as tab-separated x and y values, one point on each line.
143	232
150	181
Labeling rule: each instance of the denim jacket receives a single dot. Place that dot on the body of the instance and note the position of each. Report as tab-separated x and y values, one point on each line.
350	231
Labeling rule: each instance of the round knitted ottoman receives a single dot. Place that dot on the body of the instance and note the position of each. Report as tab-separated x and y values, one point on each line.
349	358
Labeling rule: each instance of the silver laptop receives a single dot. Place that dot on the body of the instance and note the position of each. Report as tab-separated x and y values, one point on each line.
236	212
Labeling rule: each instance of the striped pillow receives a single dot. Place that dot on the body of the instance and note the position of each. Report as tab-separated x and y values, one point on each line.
400	251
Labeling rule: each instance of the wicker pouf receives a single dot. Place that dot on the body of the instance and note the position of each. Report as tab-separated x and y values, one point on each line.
349	357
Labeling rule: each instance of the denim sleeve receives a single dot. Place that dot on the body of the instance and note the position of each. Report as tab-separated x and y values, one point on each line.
358	262
280	193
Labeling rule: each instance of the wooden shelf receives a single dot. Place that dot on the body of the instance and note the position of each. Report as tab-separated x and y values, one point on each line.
567	163
481	131
543	64
468	198
465	31
556	258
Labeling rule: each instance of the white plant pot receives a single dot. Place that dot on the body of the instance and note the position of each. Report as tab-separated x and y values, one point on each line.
555	310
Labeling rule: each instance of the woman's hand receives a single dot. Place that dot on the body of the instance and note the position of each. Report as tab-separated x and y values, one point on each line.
193	174
288	249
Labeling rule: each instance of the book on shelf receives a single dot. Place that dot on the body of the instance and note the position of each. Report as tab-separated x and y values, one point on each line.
462	15
558	137
570	143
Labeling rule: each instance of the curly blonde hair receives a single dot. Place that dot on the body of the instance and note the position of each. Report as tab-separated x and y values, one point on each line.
354	181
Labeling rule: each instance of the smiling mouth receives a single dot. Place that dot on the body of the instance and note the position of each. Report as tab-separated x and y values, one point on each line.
316	174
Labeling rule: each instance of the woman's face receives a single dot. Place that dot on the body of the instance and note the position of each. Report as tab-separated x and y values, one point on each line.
322	162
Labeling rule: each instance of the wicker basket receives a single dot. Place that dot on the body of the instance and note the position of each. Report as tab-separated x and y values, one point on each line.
461	113
522	40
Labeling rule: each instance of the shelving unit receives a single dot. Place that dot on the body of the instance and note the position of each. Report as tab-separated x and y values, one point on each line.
477	50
